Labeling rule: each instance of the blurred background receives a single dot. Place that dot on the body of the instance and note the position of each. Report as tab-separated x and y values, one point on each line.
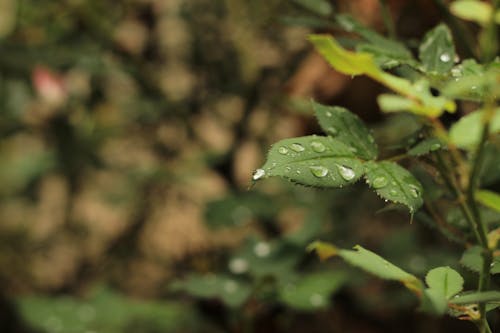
129	131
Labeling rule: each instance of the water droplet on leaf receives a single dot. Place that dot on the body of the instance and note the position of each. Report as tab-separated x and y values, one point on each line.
380	182
283	150
317	300
346	173
297	147
319	171
328	114
258	174
318	146
332	131
445	57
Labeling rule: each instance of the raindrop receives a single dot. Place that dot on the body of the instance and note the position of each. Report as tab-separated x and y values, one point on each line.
230	286
288	169
297	147
238	265
298	172
262	249
380	182
318	146
414	191
319	171
317	300
346	173
328	114
283	150
258	174
435	146
332	131
445	57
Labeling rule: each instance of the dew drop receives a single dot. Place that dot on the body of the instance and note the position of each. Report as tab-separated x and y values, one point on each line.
297	147
380	182
283	150
414	191
435	146
328	114
258	174
288	169
262	249
318	146
238	265
332	131
319	171
445	57
317	299
346	173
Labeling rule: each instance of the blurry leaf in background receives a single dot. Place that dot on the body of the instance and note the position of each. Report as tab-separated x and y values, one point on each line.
312	291
106	311
426	146
472	259
489	199
8	9
229	290
320	7
466	133
472	10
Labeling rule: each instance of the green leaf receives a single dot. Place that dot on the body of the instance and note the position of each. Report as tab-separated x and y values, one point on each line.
346	62
378	266
445	280
231	291
472	10
466	133
426	146
433	302
312	160
356	63
346	127
394	183
319	7
489	199
437	51
312	291
384	50
472	81
473	260
477	297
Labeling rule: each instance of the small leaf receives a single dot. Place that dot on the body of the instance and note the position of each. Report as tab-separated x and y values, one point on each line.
489	199
394	183
433	302
426	146
446	280
472	10
346	62
313	291
378	266
312	160
384	49
346	127
437	51
466	133
477	297
473	260
323	250
320	7
231	291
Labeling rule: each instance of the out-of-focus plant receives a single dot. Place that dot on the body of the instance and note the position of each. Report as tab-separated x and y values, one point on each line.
453	161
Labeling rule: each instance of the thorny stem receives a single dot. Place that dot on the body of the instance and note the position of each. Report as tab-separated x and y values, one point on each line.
388	21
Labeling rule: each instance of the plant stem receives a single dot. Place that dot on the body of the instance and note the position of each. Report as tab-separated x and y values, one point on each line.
488	39
474	182
388	21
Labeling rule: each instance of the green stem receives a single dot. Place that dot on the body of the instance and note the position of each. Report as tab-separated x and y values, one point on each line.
474	182
388	21
488	39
